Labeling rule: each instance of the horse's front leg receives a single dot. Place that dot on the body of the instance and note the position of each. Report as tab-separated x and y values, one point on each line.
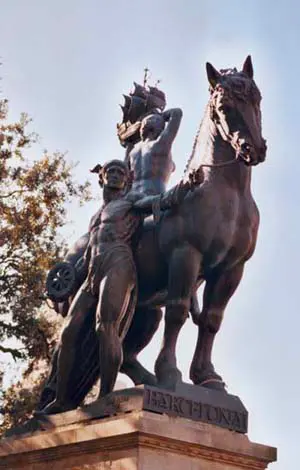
184	267
218	290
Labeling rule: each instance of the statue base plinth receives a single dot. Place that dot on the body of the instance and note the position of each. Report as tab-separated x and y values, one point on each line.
131	439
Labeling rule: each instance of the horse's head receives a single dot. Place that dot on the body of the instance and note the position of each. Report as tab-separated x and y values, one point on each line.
235	110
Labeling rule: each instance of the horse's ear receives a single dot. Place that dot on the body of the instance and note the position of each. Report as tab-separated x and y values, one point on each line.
248	67
212	74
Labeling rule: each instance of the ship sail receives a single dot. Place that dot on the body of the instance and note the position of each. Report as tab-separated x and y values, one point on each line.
140	102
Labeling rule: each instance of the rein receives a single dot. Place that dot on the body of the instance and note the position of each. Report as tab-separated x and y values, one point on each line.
220	164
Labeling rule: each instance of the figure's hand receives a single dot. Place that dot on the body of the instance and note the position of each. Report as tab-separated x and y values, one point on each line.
181	191
166	115
81	267
195	178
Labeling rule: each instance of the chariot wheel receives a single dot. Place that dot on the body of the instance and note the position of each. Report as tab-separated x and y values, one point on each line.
60	281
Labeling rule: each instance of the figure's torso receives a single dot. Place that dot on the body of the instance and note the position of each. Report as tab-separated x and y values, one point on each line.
152	166
118	222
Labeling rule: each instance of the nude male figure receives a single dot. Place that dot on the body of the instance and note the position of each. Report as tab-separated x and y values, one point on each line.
110	285
150	159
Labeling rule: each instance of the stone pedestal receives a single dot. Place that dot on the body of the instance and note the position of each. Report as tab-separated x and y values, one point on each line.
136	440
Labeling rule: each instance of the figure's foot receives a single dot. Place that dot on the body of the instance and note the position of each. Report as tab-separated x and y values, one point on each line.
168	376
54	407
137	373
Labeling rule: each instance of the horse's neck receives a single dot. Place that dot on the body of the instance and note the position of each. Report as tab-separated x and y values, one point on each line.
219	151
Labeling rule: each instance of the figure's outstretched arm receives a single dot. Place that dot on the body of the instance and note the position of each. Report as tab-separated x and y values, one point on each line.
145	204
154	204
173	119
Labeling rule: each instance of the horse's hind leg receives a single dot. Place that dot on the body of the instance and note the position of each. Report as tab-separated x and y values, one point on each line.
142	329
184	267
218	290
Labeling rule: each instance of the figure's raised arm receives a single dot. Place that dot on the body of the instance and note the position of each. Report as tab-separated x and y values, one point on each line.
173	119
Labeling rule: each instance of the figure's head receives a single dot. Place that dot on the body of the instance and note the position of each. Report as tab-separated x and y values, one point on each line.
235	110
152	126
114	174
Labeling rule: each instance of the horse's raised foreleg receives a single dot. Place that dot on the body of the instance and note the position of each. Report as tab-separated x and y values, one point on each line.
218	290
142	329
184	267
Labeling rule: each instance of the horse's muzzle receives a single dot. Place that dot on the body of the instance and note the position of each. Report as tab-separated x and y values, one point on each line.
252	156
262	152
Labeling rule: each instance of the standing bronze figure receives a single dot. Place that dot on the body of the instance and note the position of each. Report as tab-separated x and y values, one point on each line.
110	284
148	134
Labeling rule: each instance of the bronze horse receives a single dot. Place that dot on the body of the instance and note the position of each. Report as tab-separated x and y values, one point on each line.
207	239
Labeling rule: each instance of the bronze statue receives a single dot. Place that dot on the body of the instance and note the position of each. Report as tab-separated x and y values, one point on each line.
208	238
110	284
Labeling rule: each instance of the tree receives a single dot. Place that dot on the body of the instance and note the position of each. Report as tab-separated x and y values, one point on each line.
33	197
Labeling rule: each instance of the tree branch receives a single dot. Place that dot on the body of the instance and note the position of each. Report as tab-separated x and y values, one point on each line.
17	191
14	352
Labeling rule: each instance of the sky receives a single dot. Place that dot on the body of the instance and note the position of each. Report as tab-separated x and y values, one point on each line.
67	65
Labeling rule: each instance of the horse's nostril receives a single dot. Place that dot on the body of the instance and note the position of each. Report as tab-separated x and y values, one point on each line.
245	146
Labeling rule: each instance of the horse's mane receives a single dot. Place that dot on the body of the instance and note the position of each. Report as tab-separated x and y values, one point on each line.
200	141
199	145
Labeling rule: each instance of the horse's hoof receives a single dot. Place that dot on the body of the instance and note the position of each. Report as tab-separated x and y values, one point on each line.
214	384
169	378
149	379
138	374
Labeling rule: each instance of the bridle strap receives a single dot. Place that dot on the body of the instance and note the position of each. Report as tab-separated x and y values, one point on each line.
218	165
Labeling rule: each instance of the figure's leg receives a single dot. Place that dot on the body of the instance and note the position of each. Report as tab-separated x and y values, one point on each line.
142	329
116	290
218	290
69	341
184	268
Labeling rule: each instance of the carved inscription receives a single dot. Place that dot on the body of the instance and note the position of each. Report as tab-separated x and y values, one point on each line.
171	404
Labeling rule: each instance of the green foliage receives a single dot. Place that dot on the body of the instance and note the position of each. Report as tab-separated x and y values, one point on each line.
33	197
21	398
